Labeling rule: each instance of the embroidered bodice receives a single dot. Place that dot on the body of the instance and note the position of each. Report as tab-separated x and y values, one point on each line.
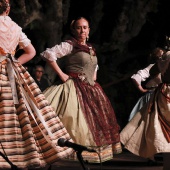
78	59
83	64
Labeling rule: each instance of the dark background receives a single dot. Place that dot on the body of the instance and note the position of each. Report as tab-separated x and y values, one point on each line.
123	32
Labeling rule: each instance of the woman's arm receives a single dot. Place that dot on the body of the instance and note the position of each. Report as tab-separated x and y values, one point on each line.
139	87
29	53
50	55
64	77
141	76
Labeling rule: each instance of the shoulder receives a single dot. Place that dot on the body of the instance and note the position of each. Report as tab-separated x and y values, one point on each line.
13	22
166	55
8	22
69	41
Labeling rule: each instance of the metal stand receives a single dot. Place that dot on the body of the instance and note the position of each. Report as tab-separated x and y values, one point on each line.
80	158
13	167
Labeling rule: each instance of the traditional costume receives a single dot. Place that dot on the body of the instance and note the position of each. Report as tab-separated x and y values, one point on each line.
152	83
29	128
80	102
148	132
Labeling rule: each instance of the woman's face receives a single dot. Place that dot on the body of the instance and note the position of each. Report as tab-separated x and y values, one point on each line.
81	30
160	53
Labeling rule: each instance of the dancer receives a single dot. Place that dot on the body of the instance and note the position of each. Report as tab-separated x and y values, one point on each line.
80	102
151	82
148	133
29	128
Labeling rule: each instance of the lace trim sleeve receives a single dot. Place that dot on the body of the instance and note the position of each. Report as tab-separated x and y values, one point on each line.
57	51
142	75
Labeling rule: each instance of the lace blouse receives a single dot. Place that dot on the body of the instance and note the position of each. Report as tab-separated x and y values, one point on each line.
11	35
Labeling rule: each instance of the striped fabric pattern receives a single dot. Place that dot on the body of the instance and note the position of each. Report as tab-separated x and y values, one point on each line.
27	143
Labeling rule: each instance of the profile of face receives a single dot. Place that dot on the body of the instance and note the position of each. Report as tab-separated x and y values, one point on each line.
160	53
156	54
80	29
8	8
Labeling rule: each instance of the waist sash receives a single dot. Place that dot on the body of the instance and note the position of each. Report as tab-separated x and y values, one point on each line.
11	74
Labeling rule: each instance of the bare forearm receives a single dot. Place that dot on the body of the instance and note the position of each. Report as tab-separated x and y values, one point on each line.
29	53
64	77
139	87
24	58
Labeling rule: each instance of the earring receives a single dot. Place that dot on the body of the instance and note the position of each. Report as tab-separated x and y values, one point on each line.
87	38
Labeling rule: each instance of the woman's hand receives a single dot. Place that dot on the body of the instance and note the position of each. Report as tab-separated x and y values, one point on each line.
64	77
141	89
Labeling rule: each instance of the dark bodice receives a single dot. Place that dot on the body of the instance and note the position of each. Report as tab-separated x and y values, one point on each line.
163	67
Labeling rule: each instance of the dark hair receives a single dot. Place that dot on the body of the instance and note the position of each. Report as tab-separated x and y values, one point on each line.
3	6
155	55
38	66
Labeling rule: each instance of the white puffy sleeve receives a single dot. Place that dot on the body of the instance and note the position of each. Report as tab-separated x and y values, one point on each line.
142	75
23	40
57	51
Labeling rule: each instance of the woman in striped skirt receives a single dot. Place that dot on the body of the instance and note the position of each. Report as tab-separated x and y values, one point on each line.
29	128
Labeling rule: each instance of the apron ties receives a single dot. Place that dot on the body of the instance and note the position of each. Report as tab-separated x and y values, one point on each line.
29	100
11	74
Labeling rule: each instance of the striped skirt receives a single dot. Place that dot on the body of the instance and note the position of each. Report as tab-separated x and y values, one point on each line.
29	129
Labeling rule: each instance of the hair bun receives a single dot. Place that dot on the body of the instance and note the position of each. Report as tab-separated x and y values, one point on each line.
3	6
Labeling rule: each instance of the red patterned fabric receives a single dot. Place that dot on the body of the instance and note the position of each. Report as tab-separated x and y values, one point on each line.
98	112
79	47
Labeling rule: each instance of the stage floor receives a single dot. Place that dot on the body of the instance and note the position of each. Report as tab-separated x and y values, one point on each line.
123	161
